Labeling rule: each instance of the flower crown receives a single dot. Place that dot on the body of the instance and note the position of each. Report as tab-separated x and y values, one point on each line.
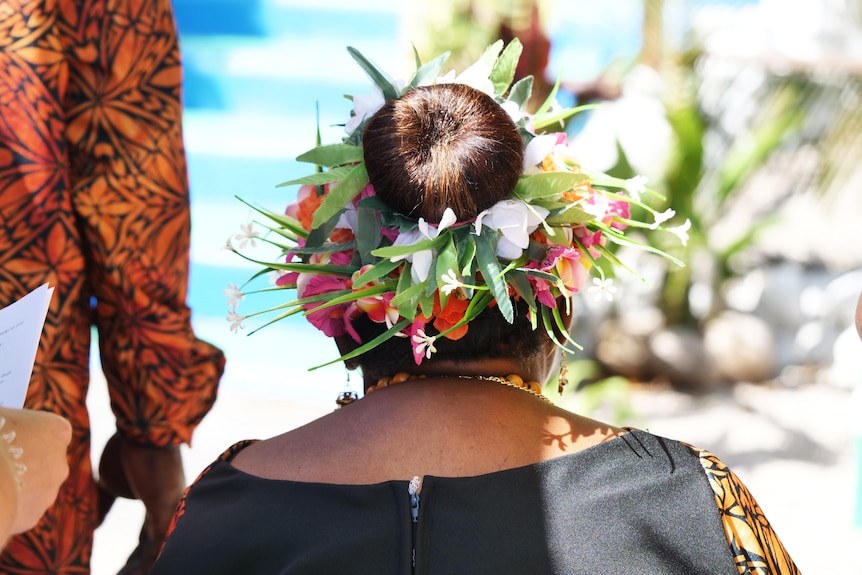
346	253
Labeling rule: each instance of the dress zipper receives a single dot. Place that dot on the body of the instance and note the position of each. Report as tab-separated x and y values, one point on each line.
413	490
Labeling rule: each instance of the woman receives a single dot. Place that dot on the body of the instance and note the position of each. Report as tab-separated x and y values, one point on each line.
469	245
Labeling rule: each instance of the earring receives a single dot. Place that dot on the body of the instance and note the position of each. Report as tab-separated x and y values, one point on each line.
564	372
347	395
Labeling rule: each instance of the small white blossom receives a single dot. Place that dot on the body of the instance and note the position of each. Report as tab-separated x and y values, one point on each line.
635	187
450	282
662	218
682	231
247	235
234	296
603	289
424	343
236	320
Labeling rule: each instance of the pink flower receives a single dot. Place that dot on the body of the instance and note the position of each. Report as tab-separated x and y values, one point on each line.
379	308
287	279
588	238
567	264
542	291
422	343
617	209
330	320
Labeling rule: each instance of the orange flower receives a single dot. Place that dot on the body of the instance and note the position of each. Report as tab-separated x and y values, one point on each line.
307	202
341	235
450	315
581	192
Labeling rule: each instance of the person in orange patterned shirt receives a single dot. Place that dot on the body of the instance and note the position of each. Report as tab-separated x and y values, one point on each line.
94	200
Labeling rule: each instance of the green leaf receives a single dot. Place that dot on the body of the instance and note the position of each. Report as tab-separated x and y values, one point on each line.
348	297
319	178
283	220
561	326
388	334
340	194
380	78
332	155
571	214
547	184
416	57
368	234
381	269
447	259
426	303
468	252
522	287
428	73
549	101
490	268
486	61
318	236
549	327
622	240
503	71
521	92
326	269
396	251
548	119
541	275
407	298
322	249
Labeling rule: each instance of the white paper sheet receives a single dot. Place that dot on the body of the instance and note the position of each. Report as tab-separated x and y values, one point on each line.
20	329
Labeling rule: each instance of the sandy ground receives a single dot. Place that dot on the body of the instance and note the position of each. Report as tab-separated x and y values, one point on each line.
792	447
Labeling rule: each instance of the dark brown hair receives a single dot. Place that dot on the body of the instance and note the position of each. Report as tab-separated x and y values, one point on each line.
442	146
489	336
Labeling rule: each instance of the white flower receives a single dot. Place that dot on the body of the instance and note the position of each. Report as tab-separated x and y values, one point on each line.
597	206
364	106
513	109
236	320
450	282
234	296
247	235
424	343
538	149
421	260
476	76
635	187
682	231
662	218
516	221
603	289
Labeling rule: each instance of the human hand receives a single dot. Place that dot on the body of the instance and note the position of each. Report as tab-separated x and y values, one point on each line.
44	438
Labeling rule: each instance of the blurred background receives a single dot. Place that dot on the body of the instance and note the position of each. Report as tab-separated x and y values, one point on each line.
745	115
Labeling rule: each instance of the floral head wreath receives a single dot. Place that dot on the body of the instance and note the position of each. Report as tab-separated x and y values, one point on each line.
346	253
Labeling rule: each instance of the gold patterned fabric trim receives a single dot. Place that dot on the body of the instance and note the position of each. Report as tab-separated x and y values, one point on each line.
755	546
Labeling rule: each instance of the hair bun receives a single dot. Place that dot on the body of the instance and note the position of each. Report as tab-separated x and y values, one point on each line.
441	146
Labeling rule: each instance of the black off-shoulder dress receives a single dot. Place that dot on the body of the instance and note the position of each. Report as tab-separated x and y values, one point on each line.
636	504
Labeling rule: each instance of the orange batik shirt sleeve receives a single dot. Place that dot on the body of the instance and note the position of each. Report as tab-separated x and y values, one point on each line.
755	546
